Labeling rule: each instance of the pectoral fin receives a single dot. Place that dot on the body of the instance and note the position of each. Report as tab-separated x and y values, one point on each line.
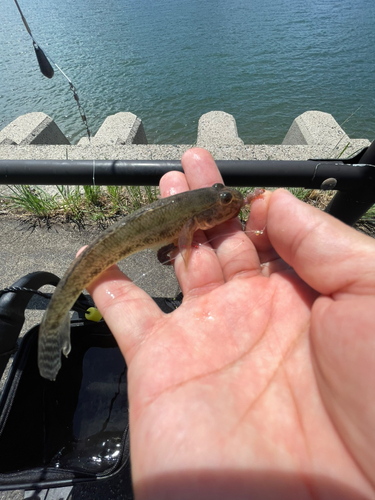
164	254
185	239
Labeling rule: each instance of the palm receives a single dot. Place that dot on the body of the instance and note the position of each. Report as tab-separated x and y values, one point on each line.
242	378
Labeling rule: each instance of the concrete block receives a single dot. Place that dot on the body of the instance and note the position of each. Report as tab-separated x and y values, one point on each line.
7	142
32	129
315	127
318	128
217	128
119	129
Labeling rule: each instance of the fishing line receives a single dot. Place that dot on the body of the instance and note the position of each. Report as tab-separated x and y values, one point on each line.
93	173
47	70
196	245
142	276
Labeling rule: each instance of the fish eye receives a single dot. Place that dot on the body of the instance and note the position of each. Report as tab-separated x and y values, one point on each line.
218	185
225	197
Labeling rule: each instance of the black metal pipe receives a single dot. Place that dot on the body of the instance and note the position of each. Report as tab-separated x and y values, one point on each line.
350	205
308	174
355	182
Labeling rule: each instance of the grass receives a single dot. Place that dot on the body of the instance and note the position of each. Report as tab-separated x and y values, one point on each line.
370	214
71	202
76	203
32	199
99	204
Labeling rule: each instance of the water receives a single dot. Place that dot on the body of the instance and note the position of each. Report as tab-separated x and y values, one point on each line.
170	61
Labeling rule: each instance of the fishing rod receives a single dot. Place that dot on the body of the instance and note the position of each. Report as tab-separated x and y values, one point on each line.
48	71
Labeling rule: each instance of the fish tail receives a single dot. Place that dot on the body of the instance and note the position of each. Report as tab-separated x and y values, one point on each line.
52	341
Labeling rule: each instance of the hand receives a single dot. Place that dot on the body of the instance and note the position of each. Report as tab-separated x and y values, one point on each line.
261	385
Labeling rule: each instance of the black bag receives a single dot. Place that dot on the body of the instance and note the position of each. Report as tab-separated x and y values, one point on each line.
73	430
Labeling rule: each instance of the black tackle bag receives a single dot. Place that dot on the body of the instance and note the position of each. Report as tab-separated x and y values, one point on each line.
72	431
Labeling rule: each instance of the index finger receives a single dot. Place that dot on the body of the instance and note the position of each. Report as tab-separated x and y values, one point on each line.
230	254
204	271
200	170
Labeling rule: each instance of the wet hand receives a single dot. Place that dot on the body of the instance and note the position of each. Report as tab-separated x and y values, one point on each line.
261	383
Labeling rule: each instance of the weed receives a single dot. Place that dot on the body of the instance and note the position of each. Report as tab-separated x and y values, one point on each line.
99	205
300	193
32	199
92	194
152	193
71	201
77	203
116	197
370	214
135	196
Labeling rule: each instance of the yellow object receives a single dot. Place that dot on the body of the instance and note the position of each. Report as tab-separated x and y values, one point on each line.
93	314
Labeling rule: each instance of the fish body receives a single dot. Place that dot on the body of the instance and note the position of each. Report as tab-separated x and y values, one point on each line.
168	220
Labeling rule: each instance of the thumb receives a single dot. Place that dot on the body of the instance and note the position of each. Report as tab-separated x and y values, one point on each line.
327	254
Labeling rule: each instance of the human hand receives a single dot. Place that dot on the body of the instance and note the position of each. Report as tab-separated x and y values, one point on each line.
261	384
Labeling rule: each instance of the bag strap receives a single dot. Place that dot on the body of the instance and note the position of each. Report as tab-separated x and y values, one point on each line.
12	311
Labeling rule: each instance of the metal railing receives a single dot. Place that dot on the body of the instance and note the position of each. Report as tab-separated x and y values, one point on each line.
353	179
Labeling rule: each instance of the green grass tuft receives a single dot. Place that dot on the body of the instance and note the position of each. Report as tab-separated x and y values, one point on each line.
32	199
78	203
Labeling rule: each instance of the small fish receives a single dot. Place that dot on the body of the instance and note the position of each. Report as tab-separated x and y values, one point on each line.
168	220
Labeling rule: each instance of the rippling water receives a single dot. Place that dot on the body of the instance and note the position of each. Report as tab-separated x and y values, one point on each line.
170	61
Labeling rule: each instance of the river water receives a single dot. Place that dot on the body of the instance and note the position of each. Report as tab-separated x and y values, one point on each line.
170	61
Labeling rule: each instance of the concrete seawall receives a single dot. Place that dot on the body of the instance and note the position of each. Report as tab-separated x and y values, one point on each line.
313	134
